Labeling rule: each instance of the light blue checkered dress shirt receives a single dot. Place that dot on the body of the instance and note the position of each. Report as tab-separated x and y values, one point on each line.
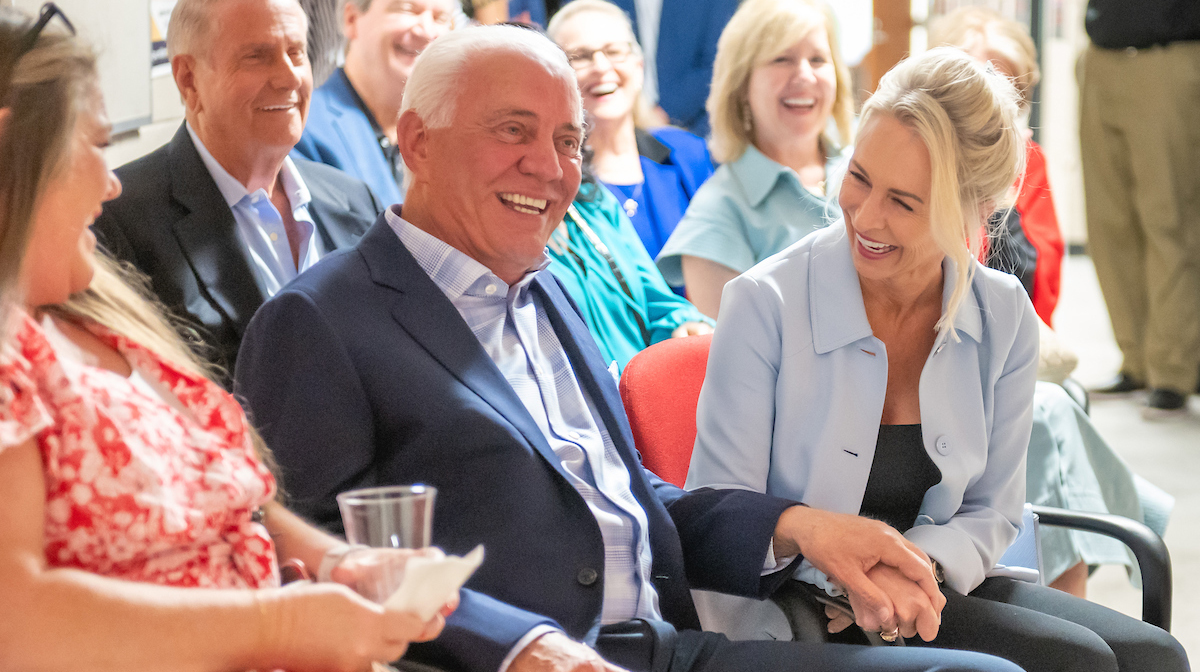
513	328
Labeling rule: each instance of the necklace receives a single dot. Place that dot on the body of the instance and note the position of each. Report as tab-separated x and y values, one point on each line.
631	203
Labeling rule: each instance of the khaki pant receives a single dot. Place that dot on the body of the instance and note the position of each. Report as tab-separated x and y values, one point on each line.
1140	142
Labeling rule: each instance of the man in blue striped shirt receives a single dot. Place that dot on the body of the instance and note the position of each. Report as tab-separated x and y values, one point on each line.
439	351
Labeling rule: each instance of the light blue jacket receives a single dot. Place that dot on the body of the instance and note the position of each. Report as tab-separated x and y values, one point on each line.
793	398
747	211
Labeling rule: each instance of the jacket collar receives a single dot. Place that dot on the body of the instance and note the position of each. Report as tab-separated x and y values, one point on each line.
208	236
651	147
838	315
758	173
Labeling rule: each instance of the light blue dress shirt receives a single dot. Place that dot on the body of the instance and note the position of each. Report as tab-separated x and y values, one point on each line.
794	392
748	210
515	331
260	226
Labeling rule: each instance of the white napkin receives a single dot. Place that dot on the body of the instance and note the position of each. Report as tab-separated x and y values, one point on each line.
429	583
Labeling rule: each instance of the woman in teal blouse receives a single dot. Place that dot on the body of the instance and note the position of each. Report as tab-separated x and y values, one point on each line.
627	305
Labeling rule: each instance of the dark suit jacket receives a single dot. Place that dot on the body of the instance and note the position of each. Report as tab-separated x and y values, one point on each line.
172	223
339	134
362	373
687	45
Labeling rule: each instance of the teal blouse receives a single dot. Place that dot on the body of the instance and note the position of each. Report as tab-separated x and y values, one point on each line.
612	315
748	210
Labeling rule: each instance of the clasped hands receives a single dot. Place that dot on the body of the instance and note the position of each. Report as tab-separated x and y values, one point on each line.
888	579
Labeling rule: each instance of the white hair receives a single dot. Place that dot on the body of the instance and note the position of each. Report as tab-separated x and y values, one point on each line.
190	26
434	85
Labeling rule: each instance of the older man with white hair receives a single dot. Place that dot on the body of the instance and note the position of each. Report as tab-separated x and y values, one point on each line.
439	351
220	218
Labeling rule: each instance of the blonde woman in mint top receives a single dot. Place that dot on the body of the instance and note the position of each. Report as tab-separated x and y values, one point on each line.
778	80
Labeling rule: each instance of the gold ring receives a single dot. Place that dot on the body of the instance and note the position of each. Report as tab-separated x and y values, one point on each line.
890	636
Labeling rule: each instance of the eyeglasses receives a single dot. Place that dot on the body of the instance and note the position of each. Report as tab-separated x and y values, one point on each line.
617	52
49	11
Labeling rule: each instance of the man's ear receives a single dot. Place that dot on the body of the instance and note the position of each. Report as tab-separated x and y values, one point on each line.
350	17
412	138
183	69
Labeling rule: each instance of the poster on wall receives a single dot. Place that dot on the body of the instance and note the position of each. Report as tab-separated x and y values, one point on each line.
160	16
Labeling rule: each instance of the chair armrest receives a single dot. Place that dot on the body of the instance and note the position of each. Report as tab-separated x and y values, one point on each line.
1153	559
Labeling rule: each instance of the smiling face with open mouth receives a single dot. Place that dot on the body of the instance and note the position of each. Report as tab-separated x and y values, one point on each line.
791	95
252	87
609	84
60	257
386	38
885	200
497	181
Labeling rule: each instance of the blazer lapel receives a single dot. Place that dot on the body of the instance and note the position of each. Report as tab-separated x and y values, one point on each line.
209	239
330	209
594	378
427	315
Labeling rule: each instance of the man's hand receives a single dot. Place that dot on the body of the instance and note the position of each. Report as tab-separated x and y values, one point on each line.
845	547
555	652
914	612
692	329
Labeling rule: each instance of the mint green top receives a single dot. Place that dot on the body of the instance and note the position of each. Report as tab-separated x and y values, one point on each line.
749	210
610	313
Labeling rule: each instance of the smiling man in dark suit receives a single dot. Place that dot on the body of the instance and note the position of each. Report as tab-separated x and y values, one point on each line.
437	350
220	217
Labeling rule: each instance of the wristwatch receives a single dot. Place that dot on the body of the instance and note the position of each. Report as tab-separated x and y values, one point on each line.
938	572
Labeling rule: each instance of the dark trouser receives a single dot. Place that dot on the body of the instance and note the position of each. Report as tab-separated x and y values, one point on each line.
656	647
1040	628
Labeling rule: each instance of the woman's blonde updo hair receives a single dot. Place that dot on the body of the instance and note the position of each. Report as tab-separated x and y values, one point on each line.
757	33
966	114
1000	38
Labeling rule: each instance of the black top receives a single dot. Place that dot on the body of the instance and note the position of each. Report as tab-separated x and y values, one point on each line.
1120	24
901	473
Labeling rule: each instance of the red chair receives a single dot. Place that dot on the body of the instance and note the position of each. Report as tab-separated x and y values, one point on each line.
660	387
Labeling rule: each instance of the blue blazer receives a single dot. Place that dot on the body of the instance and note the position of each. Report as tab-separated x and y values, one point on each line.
361	373
794	393
674	165
339	134
687	45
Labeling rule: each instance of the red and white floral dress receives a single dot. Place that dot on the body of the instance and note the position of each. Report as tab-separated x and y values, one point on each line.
138	488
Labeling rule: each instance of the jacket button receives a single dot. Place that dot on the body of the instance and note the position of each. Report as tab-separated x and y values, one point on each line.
587	576
943	446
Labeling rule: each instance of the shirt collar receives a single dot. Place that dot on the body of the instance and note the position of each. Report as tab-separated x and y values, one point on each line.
234	191
838	315
455	273
758	173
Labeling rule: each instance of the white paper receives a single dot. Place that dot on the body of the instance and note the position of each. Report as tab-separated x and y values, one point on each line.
430	583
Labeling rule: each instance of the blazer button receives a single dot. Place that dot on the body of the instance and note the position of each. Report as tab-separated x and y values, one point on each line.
587	576
942	445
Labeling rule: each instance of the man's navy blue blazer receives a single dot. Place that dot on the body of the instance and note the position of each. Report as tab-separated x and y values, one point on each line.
687	46
362	373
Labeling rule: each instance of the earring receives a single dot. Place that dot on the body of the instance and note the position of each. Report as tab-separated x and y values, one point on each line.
747	120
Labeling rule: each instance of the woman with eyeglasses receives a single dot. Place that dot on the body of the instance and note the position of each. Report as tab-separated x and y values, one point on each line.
139	529
778	80
653	172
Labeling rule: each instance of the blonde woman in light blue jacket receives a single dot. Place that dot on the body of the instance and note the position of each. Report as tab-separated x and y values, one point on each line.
875	368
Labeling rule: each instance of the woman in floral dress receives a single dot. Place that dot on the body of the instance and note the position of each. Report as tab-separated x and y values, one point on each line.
130	480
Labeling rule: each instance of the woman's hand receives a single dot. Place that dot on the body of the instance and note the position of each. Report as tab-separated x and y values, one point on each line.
846	548
325	626
692	329
914	612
